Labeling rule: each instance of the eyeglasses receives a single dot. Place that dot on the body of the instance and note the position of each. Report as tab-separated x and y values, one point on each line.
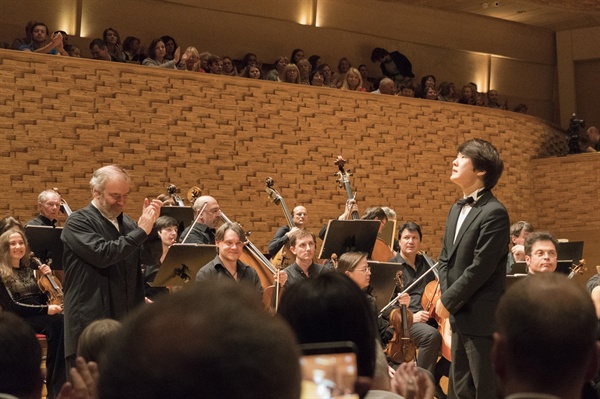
364	270
231	244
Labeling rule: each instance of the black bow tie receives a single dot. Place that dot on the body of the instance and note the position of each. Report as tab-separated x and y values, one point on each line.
465	201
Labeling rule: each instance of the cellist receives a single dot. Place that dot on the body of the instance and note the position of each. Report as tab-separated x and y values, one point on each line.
427	338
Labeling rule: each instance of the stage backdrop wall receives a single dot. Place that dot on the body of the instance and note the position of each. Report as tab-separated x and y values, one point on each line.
63	118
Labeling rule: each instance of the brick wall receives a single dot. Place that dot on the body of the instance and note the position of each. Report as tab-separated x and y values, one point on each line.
63	118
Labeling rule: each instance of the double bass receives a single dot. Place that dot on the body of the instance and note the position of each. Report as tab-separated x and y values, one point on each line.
277	199
381	251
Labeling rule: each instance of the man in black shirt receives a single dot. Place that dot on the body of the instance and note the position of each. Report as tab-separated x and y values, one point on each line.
49	206
207	216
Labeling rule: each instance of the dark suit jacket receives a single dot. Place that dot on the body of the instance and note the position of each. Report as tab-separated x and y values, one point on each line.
473	269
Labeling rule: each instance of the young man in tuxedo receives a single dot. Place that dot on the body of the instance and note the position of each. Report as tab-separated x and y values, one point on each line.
473	267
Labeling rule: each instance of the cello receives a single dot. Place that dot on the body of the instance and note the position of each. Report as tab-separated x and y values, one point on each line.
277	199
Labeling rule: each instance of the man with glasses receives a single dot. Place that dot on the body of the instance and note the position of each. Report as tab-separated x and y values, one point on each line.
101	258
427	338
540	252
230	239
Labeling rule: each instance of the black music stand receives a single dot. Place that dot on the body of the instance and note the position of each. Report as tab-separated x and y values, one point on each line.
571	251
183	214
45	243
182	263
349	236
388	233
383	281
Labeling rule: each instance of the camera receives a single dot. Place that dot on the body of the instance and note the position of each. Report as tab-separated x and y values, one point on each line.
573	133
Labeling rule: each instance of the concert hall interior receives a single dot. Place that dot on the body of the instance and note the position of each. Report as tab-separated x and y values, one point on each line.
65	117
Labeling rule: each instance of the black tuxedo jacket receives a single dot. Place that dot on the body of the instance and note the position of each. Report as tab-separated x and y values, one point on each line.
473	268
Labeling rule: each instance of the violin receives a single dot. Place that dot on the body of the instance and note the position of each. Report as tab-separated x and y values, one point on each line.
579	268
48	284
401	348
277	199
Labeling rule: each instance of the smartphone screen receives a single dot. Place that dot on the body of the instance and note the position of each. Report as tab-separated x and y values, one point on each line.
328	370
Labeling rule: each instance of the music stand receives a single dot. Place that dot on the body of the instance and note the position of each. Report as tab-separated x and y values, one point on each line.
349	236
183	214
571	251
182	263
383	281
45	243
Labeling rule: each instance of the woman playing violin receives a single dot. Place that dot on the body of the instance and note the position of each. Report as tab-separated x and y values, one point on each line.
20	294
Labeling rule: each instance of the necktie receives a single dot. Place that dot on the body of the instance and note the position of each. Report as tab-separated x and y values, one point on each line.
465	201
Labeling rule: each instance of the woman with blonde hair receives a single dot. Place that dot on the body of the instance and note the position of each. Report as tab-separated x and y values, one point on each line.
353	81
190	61
291	74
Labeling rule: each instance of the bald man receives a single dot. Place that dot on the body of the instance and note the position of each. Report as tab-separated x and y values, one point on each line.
207	214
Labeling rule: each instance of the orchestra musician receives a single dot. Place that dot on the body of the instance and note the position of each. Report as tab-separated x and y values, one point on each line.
21	294
518	233
49	208
282	236
230	239
101	258
302	245
427	338
472	268
541	255
207	216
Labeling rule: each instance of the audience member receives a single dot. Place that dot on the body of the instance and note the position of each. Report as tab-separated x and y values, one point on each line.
39	36
277	74
204	56
221	345
48	202
296	56
190	61
589	140
215	65
156	56
20	294
467	96
541	252
250	60
479	97
367	82
74	51
521	108
95	338
386	86
315	62
352	80
342	68
132	48
230	239
305	69
492	100
430	94
393	65
446	92
170	47
252	72
99	51
518	233
291	74
18	42
405	90
228	68
326	72
536	316
426	81
316	79
113	43
20	359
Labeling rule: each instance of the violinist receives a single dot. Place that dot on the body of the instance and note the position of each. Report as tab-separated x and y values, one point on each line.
427	338
230	239
20	294
207	215
282	236
49	208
